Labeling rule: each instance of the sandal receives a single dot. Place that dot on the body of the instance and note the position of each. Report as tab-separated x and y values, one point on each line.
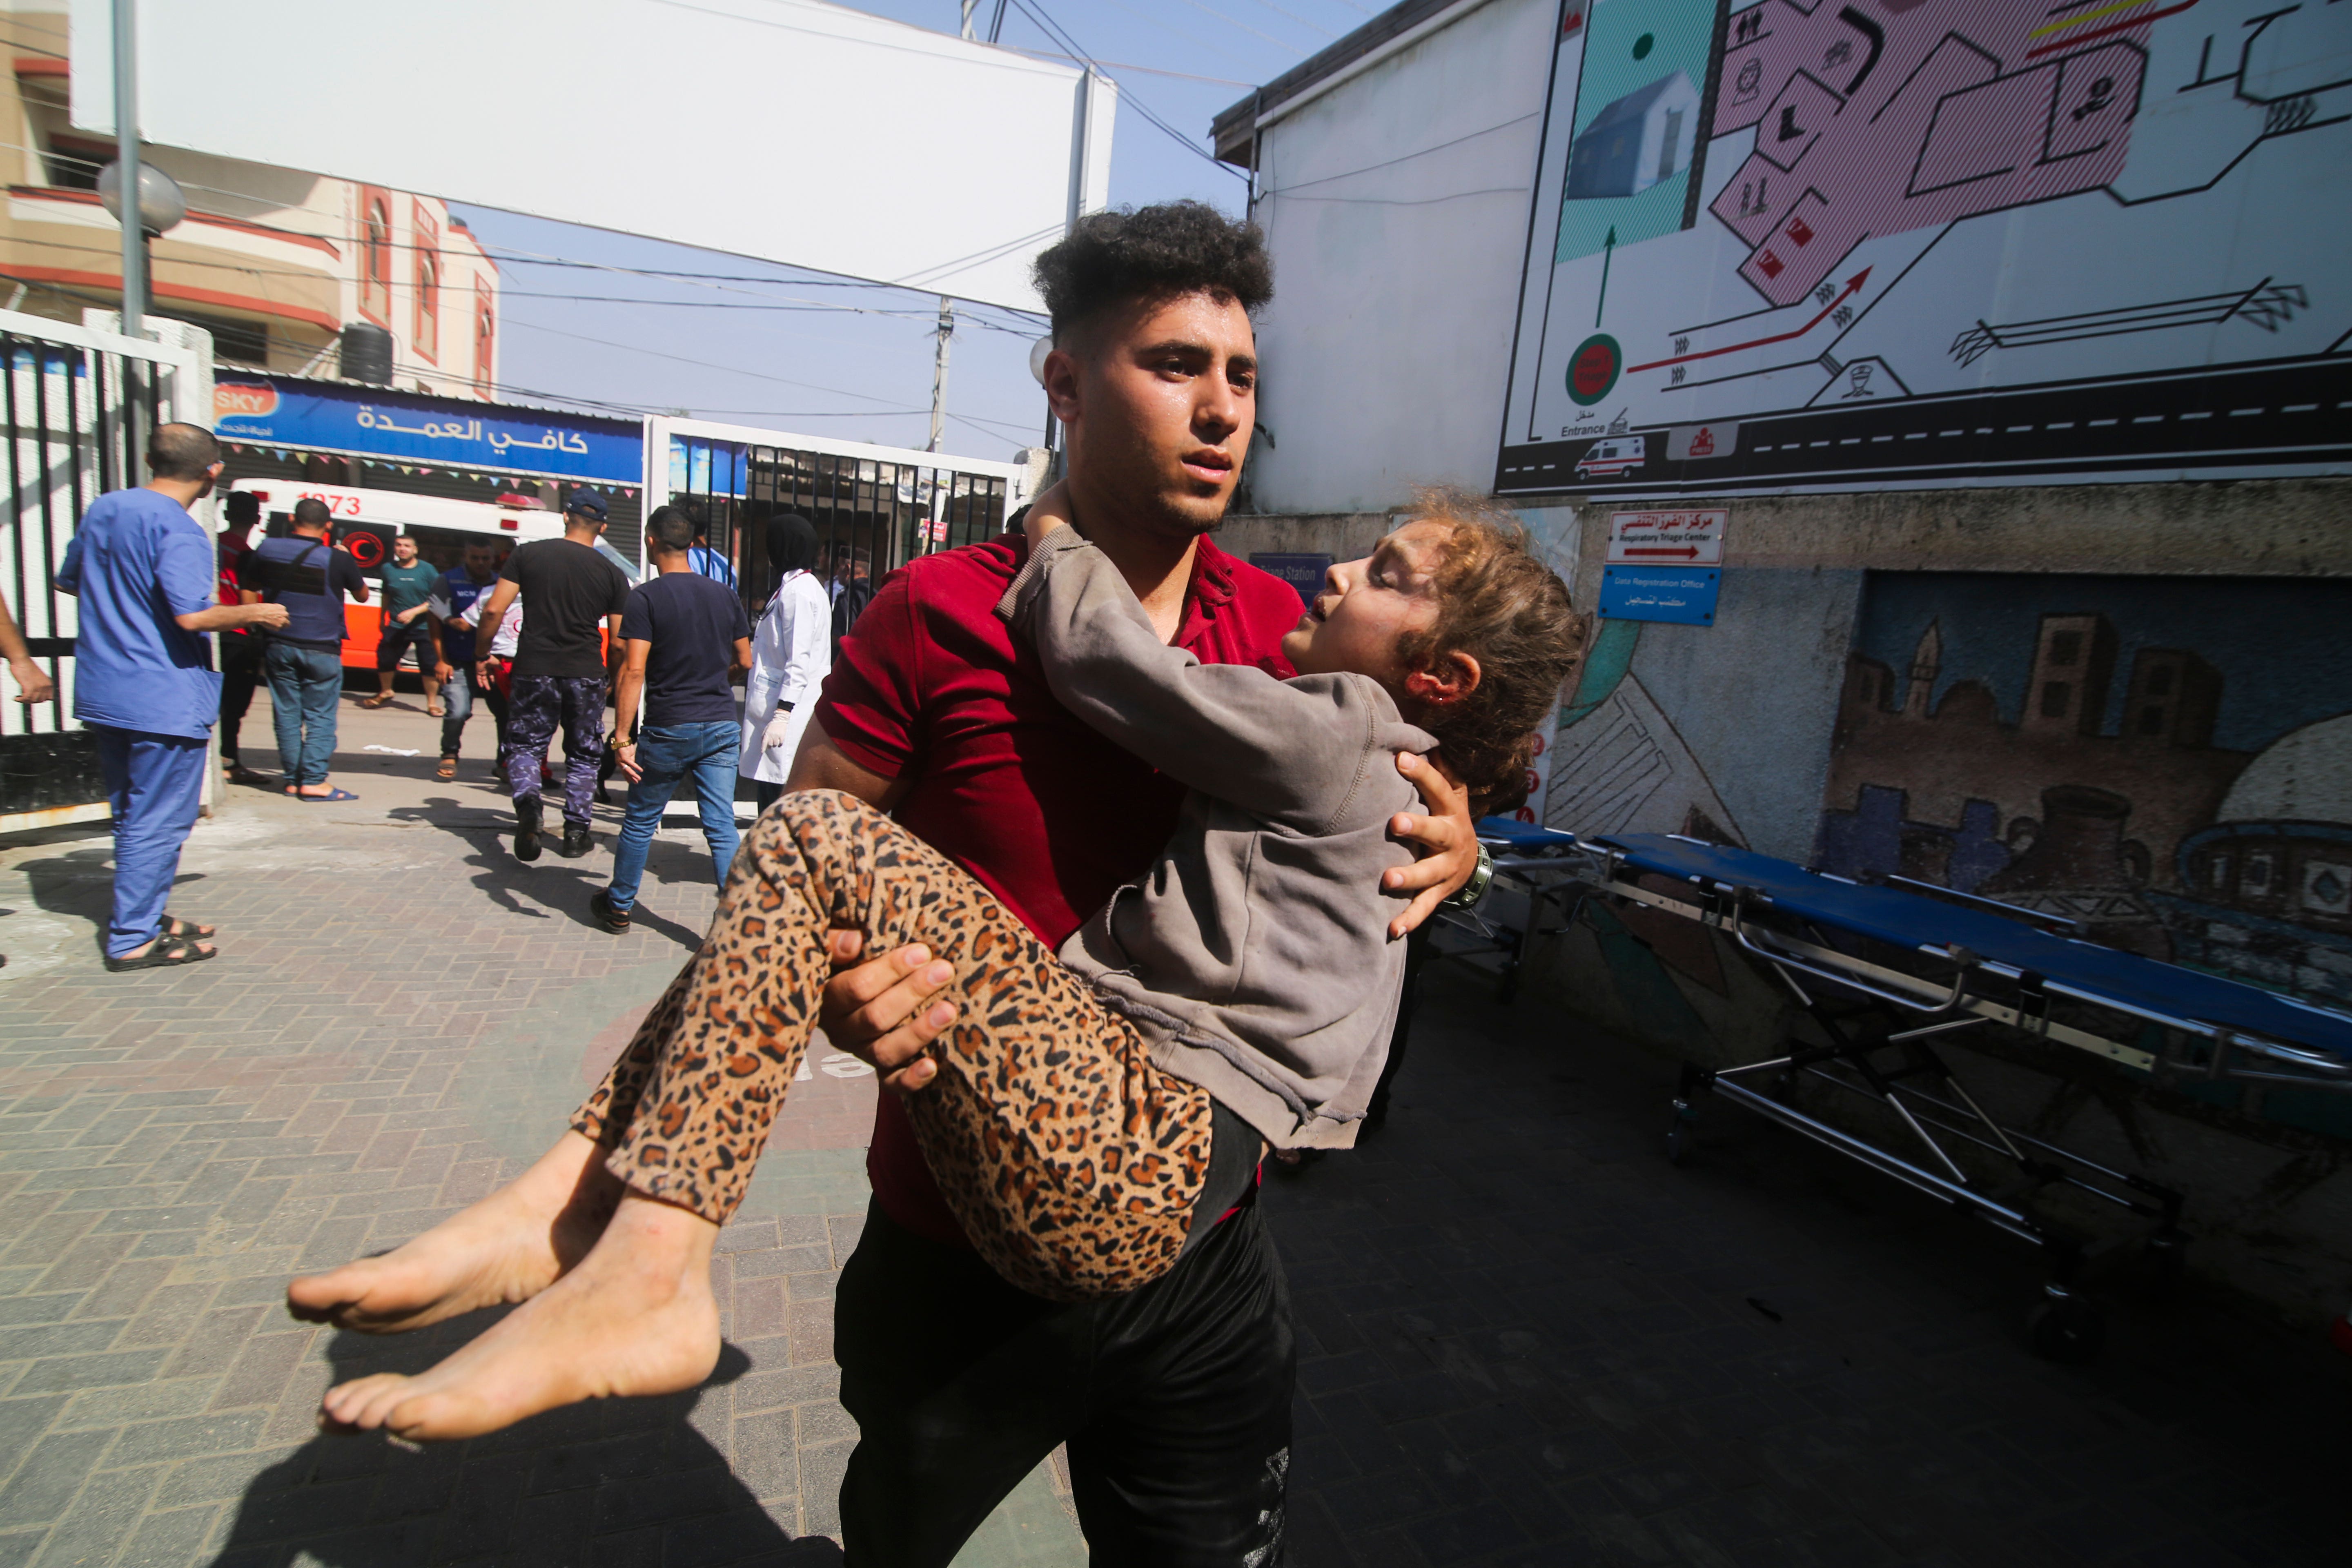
599	904
241	774
432	710
187	930
447	770
169	952
379	700
331	795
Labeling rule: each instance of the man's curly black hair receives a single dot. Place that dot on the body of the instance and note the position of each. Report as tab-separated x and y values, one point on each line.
1152	253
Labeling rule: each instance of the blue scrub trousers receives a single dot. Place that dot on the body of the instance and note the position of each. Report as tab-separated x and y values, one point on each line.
667	757
155	783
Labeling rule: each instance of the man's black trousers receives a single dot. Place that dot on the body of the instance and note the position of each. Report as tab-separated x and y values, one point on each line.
1174	1400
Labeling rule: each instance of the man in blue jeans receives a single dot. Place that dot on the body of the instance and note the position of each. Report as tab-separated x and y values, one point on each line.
144	573
304	659
684	642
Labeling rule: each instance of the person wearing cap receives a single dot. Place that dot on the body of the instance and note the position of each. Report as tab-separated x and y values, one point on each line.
560	673
240	646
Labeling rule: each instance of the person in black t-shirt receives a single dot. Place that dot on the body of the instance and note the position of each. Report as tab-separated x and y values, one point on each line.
684	641
560	675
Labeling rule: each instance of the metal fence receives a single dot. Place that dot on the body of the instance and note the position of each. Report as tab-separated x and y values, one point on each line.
873	507
79	406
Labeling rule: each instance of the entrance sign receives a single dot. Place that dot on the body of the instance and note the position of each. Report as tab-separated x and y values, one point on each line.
1663	538
1783	246
1653	593
1303	572
800	132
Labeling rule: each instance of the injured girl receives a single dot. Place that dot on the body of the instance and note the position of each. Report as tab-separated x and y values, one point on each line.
1089	1112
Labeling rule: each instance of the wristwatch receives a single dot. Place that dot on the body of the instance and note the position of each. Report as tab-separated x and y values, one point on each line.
1471	892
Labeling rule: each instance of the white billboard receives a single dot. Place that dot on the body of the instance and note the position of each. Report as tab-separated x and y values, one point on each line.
1808	244
788	129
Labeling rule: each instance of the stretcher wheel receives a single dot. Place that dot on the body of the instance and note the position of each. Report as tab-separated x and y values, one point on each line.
2067	1330
2168	1261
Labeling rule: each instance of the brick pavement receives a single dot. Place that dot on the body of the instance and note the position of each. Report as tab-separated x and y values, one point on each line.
1525	1339
402	1017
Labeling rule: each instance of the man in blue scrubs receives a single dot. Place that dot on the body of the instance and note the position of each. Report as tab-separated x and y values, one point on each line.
144	573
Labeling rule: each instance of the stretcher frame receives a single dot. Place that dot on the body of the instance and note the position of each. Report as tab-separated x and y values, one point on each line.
1904	1074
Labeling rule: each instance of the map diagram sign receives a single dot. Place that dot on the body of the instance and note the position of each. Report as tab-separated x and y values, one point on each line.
1809	244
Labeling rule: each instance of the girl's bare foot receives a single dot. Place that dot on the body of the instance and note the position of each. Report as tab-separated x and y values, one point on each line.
636	1317
508	1247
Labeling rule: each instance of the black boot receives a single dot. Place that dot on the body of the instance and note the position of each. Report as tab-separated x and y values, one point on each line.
526	828
576	841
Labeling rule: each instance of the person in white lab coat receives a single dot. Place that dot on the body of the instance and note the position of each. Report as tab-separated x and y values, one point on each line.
792	652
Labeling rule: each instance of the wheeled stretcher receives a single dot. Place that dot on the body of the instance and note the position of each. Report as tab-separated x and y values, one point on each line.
1542	865
1942	961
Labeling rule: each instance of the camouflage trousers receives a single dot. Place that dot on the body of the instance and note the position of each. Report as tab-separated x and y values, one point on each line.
537	704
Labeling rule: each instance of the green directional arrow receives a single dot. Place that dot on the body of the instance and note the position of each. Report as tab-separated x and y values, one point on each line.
1608	251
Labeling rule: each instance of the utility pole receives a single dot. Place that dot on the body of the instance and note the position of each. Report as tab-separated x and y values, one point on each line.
940	373
969	7
126	155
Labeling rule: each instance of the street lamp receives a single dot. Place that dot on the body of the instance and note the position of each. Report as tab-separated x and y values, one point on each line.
161	206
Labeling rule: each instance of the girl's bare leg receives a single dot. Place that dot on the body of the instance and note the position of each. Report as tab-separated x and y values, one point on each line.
508	1247
636	1317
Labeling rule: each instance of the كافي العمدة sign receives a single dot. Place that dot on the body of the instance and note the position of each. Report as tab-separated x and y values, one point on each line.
1667	538
374	422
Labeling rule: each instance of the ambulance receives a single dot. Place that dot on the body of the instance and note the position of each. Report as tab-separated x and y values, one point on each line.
366	521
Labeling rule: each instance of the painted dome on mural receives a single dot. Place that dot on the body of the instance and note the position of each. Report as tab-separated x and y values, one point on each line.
2304	776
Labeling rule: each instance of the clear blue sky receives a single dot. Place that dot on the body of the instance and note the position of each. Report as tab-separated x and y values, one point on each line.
866	374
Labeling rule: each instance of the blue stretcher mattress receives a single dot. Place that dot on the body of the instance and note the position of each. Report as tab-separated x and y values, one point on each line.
1522	838
1912	921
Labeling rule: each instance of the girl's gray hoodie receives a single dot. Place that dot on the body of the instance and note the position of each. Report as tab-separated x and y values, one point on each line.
1255	955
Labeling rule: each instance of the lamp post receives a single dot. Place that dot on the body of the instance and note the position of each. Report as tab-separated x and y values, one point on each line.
161	206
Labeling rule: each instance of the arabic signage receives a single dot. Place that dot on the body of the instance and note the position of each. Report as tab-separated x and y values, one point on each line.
1659	593
1781	246
1661	538
440	432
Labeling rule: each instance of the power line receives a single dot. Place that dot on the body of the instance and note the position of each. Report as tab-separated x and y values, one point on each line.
1035	12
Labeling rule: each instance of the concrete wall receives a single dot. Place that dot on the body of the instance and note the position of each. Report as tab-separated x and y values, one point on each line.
1397	206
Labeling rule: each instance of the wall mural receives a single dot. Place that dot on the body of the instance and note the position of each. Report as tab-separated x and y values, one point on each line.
1806	244
2168	761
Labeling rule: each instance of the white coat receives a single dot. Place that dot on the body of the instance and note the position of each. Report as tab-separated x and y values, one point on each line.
792	653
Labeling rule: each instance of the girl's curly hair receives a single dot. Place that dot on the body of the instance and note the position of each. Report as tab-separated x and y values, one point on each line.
1504	608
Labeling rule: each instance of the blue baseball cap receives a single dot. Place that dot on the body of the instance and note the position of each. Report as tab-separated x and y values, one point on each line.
587	502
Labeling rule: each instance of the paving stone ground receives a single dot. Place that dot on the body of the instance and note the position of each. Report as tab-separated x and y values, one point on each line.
1525	1339
401	1019
1529	1339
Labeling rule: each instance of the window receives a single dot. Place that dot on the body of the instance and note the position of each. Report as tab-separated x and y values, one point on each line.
2065	648
73	164
235	341
485	339
426	330
1669	143
2055	695
375	255
2159	681
2152	720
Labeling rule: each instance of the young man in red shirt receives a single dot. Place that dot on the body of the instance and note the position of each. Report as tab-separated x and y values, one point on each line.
1174	1399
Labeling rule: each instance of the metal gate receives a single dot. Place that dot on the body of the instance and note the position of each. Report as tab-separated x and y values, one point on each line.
79	406
873	507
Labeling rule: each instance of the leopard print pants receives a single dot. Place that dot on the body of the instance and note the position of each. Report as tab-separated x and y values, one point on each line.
1071	1161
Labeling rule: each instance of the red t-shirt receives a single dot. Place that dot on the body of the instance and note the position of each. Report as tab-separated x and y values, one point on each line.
1007	784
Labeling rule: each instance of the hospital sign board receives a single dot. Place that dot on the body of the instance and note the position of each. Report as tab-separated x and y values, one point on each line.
1672	593
1660	537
